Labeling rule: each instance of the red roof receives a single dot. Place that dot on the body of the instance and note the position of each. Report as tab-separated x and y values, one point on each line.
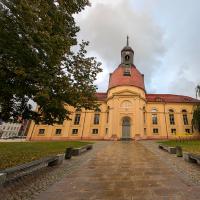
101	96
170	98
117	78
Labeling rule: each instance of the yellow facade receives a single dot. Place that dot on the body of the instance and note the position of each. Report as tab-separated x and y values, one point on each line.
126	112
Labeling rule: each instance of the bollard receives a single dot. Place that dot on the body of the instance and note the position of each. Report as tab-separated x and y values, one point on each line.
2	178
68	153
179	152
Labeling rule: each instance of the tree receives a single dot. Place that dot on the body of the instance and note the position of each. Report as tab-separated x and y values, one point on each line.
196	118
196	113
198	91
37	62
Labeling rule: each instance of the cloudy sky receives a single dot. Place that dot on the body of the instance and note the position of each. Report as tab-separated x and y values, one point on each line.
165	36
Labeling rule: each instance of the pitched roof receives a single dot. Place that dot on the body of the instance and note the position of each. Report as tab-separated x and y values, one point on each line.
170	98
117	78
101	96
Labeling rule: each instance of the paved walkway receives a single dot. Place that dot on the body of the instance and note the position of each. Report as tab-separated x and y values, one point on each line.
121	170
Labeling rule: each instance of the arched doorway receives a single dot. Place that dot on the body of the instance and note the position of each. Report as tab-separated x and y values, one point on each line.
126	128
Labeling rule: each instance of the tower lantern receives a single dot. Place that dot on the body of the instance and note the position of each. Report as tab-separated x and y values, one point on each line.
127	54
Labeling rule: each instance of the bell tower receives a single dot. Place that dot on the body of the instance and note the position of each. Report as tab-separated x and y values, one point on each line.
127	54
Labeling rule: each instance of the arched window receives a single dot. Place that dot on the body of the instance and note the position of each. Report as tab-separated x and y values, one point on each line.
185	118
171	117
78	110
77	116
154	116
97	110
97	116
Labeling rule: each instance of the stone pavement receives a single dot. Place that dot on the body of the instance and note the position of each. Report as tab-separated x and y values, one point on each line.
122	170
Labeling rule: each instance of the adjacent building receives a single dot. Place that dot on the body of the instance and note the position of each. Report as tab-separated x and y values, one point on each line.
126	111
9	130
13	129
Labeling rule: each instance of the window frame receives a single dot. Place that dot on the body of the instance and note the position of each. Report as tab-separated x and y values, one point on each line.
95	131
155	132
96	118
154	119
41	131
173	131
185	119
77	119
171	117
74	131
187	130
58	131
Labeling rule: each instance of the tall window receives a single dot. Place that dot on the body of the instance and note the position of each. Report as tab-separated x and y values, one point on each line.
97	116
144	115
171	117
107	117
185	118
77	116
154	116
106	131
77	119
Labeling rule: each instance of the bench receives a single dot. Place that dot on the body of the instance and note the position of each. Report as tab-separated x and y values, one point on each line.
23	169
78	151
171	150
192	158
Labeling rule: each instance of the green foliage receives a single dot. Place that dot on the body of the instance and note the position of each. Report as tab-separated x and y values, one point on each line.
37	61
196	118
192	146
15	153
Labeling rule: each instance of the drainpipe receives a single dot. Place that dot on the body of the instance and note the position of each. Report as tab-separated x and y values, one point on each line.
83	126
165	120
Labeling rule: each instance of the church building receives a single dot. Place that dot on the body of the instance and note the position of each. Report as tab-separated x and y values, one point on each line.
126	111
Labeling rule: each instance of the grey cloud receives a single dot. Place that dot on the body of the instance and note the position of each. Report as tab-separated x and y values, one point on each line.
106	27
164	36
183	85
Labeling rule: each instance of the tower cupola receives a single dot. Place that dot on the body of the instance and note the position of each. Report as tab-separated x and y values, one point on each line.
127	54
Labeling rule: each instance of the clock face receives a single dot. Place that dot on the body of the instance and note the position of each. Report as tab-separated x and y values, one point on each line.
127	52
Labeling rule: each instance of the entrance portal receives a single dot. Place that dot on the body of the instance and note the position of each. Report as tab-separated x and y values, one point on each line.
126	126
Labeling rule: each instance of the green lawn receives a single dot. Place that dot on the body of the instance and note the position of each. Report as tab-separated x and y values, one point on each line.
192	146
15	153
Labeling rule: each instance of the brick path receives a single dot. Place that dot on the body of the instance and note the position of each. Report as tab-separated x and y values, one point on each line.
121	170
